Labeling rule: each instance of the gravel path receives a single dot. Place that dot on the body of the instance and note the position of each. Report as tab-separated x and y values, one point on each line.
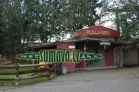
114	80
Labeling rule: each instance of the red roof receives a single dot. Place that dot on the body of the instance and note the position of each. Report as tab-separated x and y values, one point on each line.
97	31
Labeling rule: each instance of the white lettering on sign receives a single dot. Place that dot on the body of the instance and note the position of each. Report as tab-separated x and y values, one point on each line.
105	43
88	56
97	32
83	56
36	56
30	56
71	47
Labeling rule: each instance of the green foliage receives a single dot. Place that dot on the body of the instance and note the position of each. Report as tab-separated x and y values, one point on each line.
22	22
79	13
127	20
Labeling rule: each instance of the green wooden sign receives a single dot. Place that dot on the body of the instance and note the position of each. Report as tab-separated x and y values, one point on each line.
28	56
88	56
58	56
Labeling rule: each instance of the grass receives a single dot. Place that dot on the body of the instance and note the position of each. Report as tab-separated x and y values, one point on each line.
22	82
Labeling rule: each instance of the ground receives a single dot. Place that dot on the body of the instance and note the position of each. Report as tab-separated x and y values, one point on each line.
110	80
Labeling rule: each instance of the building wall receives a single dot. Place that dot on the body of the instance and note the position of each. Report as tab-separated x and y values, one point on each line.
82	48
69	65
65	45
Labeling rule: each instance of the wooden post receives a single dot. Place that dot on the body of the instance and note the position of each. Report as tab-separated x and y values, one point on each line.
117	57
33	61
17	74
55	69
84	50
121	57
114	56
48	71
0	59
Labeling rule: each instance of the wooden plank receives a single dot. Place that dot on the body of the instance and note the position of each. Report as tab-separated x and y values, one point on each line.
7	73
7	79
7	66
51	69
130	57
27	71
32	77
26	77
33	65
32	71
52	73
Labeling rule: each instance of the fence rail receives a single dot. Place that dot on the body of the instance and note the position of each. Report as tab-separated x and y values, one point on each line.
49	69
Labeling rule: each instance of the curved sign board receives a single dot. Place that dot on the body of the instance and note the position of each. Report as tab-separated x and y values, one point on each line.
58	56
97	31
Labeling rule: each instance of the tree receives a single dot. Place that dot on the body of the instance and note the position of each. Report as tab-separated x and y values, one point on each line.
127	20
78	13
1	32
11	21
22	22
103	13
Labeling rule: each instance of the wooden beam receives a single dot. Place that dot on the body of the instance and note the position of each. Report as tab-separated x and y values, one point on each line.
7	66
6	79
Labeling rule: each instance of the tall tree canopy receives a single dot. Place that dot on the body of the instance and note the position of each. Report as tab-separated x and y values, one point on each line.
127	20
24	21
79	13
